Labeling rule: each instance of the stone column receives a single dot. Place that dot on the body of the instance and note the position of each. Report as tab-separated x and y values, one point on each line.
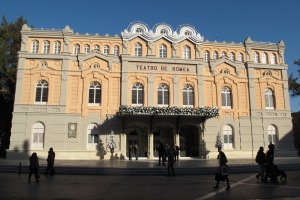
150	145
123	145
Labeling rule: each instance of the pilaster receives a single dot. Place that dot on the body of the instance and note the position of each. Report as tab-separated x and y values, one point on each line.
123	144
19	83
64	82
150	145
200	86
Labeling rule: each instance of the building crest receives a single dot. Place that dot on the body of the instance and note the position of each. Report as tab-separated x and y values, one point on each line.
162	30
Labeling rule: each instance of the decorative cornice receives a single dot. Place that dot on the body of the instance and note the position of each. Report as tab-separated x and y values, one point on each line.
162	30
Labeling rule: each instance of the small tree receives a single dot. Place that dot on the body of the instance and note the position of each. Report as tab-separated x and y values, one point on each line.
100	150
219	143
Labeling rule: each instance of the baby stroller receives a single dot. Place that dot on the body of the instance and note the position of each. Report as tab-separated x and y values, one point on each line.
277	173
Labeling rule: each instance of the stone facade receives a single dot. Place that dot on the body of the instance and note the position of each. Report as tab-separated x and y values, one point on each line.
70	87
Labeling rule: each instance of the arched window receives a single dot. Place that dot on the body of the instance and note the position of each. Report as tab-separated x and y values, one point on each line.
206	56
226	98
273	58
86	48
137	98
41	92
116	50
228	137
186	52
95	93
232	56
96	47
240	57
38	132
46	46
92	136
76	49
215	55
162	51
35	46
269	99
188	96
106	49
272	134
255	57
57	45
138	50
163	95
264	58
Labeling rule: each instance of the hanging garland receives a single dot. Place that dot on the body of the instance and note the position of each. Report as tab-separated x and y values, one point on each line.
139	110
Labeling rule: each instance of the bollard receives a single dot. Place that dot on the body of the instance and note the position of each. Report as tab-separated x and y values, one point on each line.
20	169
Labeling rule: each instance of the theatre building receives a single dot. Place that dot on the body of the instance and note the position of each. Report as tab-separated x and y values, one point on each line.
146	86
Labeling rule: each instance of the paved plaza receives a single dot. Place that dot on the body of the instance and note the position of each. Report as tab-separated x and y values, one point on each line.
144	179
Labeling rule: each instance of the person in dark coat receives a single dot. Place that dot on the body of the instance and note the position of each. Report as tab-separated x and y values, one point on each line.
269	164
50	162
33	167
176	154
170	154
130	152
161	154
260	160
136	151
223	162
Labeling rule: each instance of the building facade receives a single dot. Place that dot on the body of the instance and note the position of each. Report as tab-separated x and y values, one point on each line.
145	87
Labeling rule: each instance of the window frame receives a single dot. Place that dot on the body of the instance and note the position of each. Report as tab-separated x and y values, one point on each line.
269	99
226	97
92	139
228	138
272	134
57	47
188	92
162	51
35	46
186	52
137	94
86	48
106	49
163	95
95	94
138	50
38	134
41	92
116	51
76	49
46	46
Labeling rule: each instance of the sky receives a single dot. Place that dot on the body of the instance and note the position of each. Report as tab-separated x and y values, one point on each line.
223	20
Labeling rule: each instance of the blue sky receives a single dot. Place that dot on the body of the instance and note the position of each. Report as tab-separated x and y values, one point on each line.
230	20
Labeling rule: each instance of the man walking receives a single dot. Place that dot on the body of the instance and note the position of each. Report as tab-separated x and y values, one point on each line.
260	160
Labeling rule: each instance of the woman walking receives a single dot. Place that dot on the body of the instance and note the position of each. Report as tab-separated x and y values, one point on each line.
34	167
223	166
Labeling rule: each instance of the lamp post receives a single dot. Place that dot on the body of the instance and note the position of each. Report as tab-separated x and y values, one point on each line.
111	144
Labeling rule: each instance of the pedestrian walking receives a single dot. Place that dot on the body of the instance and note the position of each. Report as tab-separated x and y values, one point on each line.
130	152
223	172
260	160
136	151
50	162
269	165
161	154
33	167
176	155
171	161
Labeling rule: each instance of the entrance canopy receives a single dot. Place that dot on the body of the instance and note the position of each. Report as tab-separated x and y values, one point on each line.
177	111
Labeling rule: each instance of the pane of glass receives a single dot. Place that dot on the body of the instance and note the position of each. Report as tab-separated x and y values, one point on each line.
223	99
45	94
38	94
35	138
160	97
166	98
41	138
230	138
140	97
96	139
90	138
191	99
225	139
97	96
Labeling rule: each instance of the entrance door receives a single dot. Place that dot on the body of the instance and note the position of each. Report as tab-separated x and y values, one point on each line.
132	140
189	142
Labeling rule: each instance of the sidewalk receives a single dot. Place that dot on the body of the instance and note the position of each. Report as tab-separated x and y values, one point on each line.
145	166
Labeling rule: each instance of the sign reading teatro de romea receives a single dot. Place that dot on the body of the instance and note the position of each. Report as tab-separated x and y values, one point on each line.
161	67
